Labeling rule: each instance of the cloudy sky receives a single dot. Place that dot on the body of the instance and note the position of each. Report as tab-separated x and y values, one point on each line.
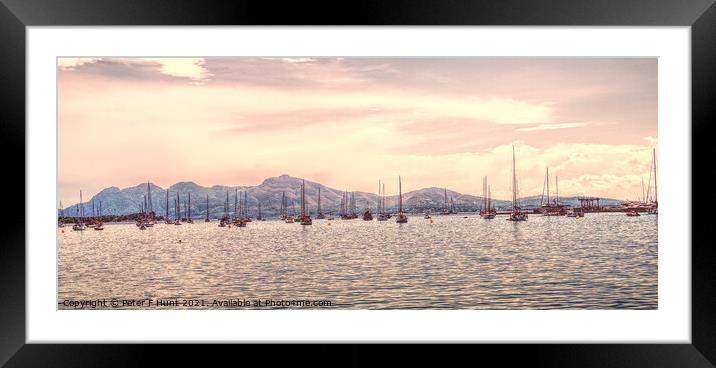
348	122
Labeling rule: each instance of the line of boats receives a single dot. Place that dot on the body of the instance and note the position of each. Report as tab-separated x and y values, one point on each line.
647	203
94	222
348	210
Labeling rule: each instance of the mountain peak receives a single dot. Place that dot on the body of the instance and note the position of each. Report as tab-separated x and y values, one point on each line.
184	185
284	178
109	190
125	201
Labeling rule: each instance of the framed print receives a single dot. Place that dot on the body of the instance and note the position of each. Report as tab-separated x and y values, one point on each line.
467	172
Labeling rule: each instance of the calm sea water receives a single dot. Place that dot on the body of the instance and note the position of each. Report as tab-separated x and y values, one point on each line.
604	261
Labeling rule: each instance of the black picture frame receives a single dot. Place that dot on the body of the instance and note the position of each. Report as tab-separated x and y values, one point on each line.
16	15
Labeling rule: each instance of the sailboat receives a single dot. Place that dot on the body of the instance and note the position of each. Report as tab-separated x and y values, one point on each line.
148	208
344	206
142	205
305	217
367	215
188	211
487	212
92	222
237	205
241	219
349	207
291	217
225	218
654	205
177	212
247	218
99	225
445	211
320	214
551	207
295	217
142	220
79	224
401	218
284	209
207	209
61	224
517	214
382	215
259	217
166	213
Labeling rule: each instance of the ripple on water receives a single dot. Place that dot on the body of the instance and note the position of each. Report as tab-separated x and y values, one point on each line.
604	261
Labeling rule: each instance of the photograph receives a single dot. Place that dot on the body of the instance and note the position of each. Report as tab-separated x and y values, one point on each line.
481	174
346	182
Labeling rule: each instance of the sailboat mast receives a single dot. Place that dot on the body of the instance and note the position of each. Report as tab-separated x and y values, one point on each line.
383	200
548	201
400	195
544	185
319	199
484	190
207	207
489	198
514	181
446	201
303	198
150	209
81	210
166	217
653	159
556	183
188	208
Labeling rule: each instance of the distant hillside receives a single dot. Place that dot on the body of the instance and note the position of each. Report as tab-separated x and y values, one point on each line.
125	201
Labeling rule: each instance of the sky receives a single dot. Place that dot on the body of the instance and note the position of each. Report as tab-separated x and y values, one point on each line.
348	122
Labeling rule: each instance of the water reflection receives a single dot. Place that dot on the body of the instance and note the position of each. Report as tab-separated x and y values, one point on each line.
603	261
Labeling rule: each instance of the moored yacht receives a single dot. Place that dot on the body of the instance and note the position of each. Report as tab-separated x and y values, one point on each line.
401	218
517	213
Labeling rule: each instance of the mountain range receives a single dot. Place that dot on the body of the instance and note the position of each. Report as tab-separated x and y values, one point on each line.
130	200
